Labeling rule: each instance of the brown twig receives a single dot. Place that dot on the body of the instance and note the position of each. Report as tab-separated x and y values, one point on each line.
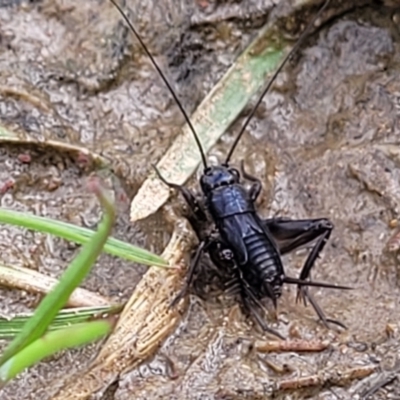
388	377
281	346
329	376
335	376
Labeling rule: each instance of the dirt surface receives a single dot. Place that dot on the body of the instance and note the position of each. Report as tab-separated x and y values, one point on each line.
325	142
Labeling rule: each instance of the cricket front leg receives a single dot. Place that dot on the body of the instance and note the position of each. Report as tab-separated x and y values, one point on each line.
190	273
194	205
255	189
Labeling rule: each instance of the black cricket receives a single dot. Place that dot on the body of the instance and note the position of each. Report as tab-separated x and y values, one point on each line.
231	231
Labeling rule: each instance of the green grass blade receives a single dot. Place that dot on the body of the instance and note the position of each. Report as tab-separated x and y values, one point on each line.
71	278
80	235
10	327
53	342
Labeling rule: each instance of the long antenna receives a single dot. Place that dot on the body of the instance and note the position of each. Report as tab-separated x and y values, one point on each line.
271	81
132	28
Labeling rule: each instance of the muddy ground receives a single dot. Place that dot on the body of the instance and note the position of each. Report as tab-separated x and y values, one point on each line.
324	142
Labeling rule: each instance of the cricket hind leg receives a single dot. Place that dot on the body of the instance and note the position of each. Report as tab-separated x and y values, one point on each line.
291	234
321	314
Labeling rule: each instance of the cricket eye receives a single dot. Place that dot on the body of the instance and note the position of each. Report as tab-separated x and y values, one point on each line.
235	173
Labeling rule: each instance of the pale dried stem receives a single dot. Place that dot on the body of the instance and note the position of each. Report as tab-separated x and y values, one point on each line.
147	320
